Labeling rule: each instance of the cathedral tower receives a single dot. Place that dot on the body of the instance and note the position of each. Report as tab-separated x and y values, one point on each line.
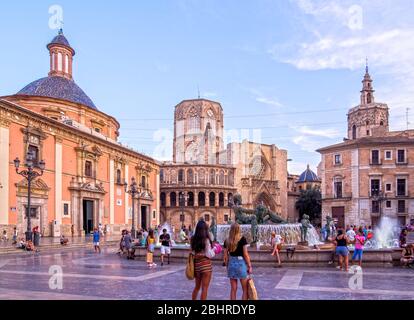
369	118
198	132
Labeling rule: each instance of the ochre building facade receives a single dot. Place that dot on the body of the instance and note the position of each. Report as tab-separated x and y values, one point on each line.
371	174
83	184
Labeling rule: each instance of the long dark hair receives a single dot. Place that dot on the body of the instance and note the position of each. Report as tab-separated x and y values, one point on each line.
201	234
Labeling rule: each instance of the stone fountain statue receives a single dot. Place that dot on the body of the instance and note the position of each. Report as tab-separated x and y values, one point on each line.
254	217
329	227
304	228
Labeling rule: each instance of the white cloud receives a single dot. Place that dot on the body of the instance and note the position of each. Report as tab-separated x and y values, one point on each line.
261	98
297	167
329	42
269	101
325	133
308	144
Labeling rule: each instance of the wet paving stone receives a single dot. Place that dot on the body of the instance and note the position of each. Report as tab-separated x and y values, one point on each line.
87	275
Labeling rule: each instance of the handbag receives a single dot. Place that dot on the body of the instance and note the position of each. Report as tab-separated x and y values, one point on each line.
189	270
252	292
150	257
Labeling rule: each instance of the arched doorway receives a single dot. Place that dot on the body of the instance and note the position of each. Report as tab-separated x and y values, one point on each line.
266	200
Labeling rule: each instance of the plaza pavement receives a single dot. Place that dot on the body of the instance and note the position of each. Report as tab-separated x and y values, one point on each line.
91	276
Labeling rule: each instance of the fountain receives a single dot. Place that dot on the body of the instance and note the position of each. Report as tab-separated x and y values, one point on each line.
386	235
167	226
289	232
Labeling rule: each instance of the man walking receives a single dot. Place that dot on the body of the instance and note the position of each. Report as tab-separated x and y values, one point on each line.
165	240
96	238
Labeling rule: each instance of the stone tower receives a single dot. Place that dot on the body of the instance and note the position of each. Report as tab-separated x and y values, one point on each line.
369	118
198	132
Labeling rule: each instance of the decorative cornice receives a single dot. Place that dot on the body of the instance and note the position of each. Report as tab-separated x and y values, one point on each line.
12	113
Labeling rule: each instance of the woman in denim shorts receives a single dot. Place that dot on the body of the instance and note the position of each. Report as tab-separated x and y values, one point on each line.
342	251
238	263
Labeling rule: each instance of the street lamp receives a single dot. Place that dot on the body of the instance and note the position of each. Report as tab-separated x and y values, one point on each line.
231	205
29	174
183	198
134	191
379	196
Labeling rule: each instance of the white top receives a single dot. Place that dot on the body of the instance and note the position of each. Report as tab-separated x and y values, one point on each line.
277	240
208	251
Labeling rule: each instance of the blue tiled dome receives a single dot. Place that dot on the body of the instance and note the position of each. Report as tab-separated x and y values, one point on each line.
308	176
58	88
60	39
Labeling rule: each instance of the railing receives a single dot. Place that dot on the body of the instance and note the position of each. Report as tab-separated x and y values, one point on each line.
343	196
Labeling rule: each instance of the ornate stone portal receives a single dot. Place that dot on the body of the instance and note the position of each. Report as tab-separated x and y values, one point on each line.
81	193
38	206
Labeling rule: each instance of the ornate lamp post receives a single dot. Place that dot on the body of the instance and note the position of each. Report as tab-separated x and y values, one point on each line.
29	174
134	191
231	205
183	198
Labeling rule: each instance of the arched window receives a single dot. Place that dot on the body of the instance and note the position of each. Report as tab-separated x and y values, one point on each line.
173	177
193	124
163	199
212	177
201	177
230	200
354	132
221	199
190	201
190	176
212	199
173	199
88	168
381	123
369	98
201	199
118	176
144	182
162	175
53	61
60	62
66	63
231	179
181	175
221	178
181	199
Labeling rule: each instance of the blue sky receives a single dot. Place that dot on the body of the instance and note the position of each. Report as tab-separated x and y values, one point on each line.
289	68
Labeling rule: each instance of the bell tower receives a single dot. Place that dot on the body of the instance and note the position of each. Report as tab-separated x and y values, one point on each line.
369	119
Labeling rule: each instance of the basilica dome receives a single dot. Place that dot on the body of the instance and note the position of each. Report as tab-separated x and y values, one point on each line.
58	88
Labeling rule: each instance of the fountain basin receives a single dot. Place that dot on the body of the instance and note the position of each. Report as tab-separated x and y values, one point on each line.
308	258
290	233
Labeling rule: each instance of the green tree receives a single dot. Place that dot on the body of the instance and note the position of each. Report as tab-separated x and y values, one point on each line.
310	203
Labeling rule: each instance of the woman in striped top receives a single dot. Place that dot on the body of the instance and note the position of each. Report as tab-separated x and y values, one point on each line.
201	246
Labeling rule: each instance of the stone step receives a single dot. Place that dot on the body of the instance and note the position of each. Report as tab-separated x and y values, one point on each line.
13	250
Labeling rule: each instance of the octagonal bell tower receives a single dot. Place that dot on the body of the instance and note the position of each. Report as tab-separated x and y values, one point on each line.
369	119
198	132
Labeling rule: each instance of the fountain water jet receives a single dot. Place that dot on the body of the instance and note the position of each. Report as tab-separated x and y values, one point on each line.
289	232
